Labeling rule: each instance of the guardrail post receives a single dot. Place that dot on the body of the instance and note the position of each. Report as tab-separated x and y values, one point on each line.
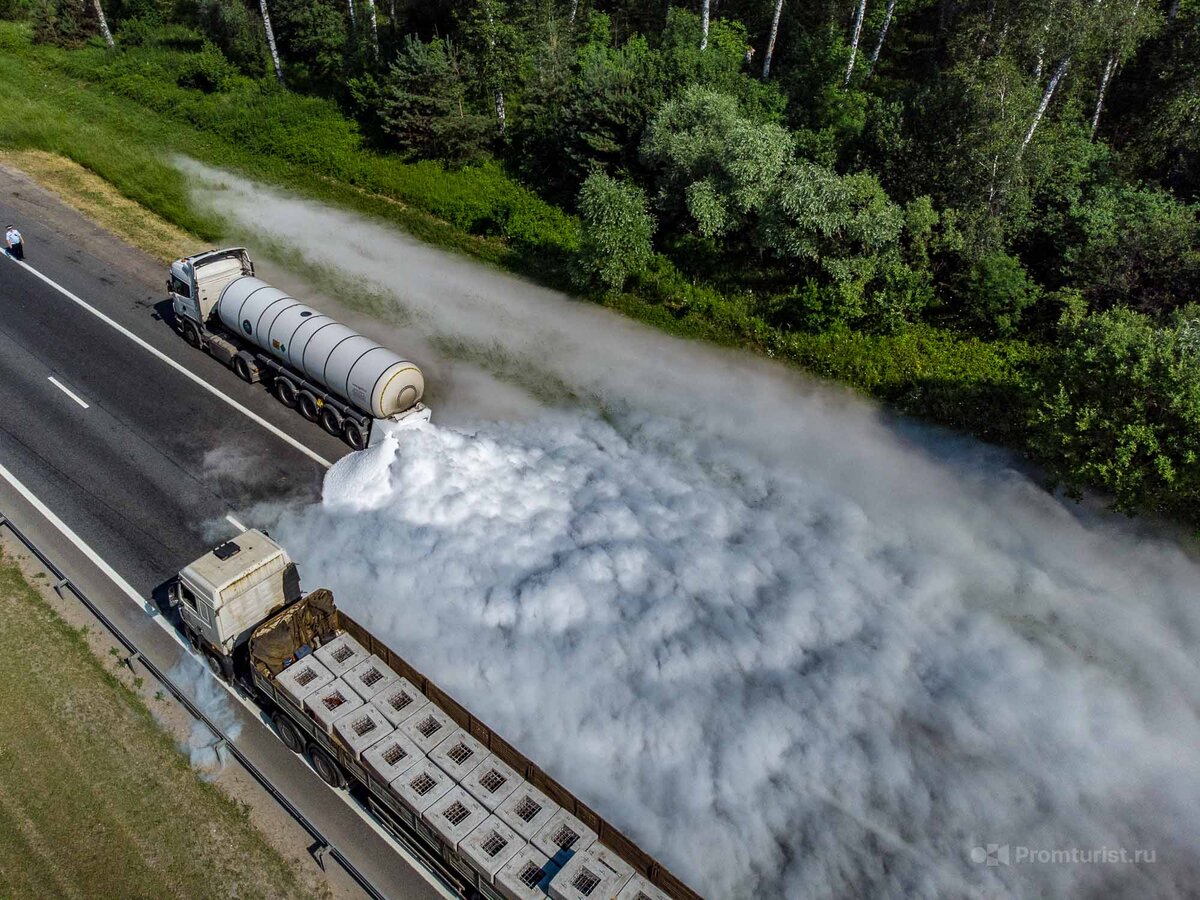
319	850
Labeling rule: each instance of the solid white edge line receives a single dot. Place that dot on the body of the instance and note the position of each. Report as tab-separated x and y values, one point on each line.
66	390
255	710
173	364
235	523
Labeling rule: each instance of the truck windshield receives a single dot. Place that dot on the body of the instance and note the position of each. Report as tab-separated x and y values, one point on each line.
182	288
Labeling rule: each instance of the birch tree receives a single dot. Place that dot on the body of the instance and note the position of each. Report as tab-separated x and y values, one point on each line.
883	30
1047	95
108	38
766	69
856	34
374	25
266	17
704	5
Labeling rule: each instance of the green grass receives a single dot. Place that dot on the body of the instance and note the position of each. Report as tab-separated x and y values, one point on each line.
123	114
95	799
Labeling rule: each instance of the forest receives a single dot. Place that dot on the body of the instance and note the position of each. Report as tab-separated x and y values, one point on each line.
1011	187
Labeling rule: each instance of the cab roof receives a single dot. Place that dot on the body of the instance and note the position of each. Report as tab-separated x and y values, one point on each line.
232	561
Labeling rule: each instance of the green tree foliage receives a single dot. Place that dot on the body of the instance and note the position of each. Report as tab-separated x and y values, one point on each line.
711	162
233	29
996	293
314	39
65	23
615	243
1135	246
423	108
1120	408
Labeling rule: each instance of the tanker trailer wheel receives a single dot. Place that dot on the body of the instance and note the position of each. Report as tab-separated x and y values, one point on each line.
307	404
191	334
285	391
241	368
330	772
354	434
287	732
331	420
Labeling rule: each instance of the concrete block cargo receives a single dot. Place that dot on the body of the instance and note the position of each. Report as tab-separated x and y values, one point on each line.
354	387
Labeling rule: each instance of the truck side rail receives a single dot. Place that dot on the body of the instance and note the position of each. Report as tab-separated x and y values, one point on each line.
609	835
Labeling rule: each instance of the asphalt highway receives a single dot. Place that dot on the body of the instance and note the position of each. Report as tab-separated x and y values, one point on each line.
143	463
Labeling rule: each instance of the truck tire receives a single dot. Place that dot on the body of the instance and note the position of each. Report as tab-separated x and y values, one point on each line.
288	733
284	391
354	434
215	666
331	773
306	403
331	420
191	334
241	368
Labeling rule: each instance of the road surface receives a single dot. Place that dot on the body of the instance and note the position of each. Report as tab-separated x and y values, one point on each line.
143	463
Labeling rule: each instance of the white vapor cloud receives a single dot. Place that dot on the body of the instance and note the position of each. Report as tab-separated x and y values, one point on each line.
790	645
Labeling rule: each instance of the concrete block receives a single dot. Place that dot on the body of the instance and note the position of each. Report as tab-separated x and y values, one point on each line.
342	654
563	835
362	728
492	781
391	757
526	810
428	728
593	873
527	876
303	677
639	888
458	754
454	816
421	786
400	700
370	677
332	702
490	846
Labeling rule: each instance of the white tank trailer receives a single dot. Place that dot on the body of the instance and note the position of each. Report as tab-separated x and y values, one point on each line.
351	385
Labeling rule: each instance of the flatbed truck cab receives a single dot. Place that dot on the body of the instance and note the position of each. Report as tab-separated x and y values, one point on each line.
225	594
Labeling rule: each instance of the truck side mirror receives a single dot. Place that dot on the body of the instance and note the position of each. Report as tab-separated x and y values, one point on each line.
173	595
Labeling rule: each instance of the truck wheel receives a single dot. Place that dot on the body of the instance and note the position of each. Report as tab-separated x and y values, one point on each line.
330	772
287	732
285	391
307	404
354	434
241	368
331	420
215	666
191	334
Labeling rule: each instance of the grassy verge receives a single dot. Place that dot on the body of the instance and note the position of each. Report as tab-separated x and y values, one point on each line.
95	800
121	114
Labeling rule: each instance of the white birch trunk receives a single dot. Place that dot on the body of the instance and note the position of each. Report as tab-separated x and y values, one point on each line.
353	17
771	40
108	38
1047	96
574	10
887	20
704	24
1109	68
1041	57
501	116
374	26
271	40
858	21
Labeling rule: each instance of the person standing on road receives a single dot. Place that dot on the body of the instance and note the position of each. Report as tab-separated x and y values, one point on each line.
16	246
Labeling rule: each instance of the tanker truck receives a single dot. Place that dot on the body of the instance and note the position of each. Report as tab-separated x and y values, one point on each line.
472	809
327	371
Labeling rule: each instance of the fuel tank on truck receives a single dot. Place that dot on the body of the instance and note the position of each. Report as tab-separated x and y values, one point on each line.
346	363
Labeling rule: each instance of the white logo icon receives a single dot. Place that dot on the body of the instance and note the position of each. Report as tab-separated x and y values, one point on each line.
992	854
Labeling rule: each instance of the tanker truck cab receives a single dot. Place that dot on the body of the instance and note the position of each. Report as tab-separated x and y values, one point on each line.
225	594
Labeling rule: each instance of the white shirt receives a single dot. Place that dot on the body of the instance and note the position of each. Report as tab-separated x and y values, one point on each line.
12	236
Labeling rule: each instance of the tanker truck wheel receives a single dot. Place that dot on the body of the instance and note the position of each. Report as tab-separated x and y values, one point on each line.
191	334
354	434
307	404
285	391
331	420
241	368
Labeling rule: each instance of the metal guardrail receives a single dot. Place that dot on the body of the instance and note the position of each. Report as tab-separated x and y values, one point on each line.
322	845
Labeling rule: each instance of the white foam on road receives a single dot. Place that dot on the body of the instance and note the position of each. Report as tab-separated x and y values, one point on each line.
791	647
